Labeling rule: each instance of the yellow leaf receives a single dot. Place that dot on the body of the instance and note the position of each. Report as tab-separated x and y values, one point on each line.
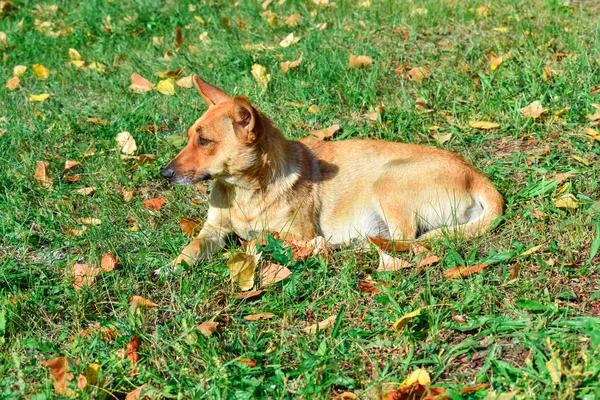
260	75
495	62
19	70
199	19
126	143
485	125
91	374
420	376
566	201
74	55
402	321
314	109
38	97
166	87
581	160
289	40
96	66
533	249
13	83
78	64
241	269
40	71
89	221
593	133
555	369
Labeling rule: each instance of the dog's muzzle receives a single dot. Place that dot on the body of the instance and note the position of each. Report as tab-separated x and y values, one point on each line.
168	172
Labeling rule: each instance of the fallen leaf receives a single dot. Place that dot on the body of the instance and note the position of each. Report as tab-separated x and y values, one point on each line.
287	65
133	354
402	321
207	328
89	221
326	133
259	73
126	143
85	191
166	87
256	317
495	62
389	245
593	91
19	70
475	388
98	67
485	125
139	84
562	176
266	3
41	174
248	361
13	83
241	269
35	98
554	366
73	179
533	110
154	204
289	40
293	20
346	396
359	61
272	274
424	257
62	379
138	301
421	105
106	333
314	328
40	71
84	275
566	201
370	287
185	82
596	116
388	263
418	74
247	295
441	139
314	109
562	111
178	38
77	232
109	262
533	250
190	227
464	272
581	160
69	164
137	394
593	133
127	195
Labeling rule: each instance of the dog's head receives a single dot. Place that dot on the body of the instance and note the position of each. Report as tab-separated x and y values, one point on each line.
221	143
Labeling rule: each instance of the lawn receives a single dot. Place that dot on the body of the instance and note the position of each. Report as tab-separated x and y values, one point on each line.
527	326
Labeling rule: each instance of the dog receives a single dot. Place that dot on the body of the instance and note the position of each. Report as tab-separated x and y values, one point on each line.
343	190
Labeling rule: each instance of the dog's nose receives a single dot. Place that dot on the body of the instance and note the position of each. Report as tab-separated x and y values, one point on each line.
167	172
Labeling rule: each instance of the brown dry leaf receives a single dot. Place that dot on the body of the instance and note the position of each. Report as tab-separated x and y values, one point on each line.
127	195
260	75
85	191
73	179
418	74
359	61
109	262
441	139
389	245
106	332
185	82
273	273
139	301
485	125
424	257
133	354
475	388
321	325
84	275
207	328
190	227
248	361
421	105
289	40
464	272
326	133
256	317
89	221
140	84
293	20
287	65
126	143
41	174
593	91
388	263
40	71
241	269
596	116
302	249
77	232
346	396
369	286
13	83
96	121
137	394
69	164
495	62
62	379
566	201
247	295
416	386
562	177
154	204
534	110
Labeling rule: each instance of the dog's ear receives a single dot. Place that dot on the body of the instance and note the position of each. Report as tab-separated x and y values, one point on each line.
211	94
247	119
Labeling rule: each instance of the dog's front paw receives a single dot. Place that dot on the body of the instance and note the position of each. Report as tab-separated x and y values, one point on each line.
174	267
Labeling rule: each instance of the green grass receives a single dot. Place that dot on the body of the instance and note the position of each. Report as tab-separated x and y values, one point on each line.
490	327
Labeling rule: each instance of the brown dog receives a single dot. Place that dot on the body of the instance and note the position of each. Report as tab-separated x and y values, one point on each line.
344	191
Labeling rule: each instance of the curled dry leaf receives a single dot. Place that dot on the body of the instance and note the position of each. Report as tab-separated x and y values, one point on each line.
403	320
13	83
69	164
106	332
138	394
388	263
421	105
470	389
77	232
326	133
139	301
133	354
62	379
314	328
86	191
464	272
140	84
207	328
126	143
441	139
594	134
241	269
562	177
96	121
36	98
248	361
247	295
127	195
370	287
533	110
495	62
289	40
41	174
185	82
260	75
423	257
484	125
166	87
346	396
40	71
109	262
419	74
154	204
389	245
287	65
89	221
84	275
359	61
273	273
256	317
302	249
190	227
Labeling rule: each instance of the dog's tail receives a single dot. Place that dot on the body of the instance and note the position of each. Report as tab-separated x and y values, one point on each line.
489	199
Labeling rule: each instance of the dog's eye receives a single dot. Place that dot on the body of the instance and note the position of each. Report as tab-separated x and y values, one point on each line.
203	141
